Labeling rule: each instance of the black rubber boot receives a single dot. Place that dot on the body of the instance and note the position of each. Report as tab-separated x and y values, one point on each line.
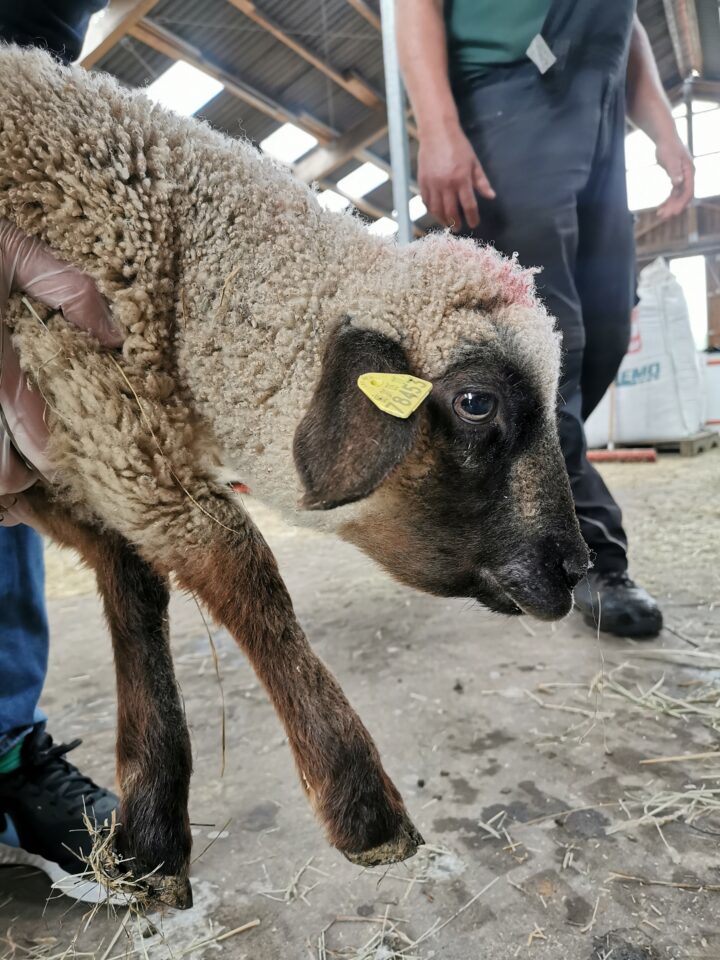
41	815
619	605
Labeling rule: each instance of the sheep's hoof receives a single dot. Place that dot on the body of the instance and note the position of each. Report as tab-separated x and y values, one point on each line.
171	891
402	846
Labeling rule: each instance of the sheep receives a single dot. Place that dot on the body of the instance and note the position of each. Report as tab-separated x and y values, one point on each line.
249	313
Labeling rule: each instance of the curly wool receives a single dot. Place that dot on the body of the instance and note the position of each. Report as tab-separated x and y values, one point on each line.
227	277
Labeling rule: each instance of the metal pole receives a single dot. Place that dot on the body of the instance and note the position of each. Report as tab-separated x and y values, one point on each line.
687	97
692	214
399	149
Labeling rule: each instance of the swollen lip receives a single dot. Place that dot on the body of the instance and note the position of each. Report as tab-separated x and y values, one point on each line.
518	604
496	585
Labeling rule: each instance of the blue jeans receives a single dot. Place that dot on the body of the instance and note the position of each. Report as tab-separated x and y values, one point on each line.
23	632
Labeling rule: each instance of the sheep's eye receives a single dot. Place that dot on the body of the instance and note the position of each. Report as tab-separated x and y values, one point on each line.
473	406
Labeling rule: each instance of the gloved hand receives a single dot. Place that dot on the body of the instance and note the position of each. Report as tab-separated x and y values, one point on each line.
27	265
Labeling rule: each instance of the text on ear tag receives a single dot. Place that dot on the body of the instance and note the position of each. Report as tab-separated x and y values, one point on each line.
398	394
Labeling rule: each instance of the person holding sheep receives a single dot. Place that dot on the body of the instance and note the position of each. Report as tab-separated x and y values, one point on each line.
521	116
475	476
42	795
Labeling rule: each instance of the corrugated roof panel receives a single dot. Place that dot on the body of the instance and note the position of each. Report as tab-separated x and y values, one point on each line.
229	39
317	95
333	31
381	147
230	115
133	63
245	50
652	17
381	196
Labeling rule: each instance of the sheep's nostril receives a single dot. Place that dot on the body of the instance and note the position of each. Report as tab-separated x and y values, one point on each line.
573	572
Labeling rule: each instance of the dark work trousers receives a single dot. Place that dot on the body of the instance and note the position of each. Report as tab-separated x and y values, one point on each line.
554	154
58	26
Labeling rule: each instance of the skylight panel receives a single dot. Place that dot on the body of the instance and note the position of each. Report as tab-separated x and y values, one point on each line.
417	208
384	227
183	89
362	180
288	143
331	200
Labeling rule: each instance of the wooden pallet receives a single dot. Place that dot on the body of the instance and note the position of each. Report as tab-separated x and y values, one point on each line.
685	446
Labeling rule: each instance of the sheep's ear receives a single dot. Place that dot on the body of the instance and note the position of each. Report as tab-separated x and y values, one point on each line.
344	445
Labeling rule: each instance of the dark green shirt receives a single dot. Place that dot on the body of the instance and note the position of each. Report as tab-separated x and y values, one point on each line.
485	33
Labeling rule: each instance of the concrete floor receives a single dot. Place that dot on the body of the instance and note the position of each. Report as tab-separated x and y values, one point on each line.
474	715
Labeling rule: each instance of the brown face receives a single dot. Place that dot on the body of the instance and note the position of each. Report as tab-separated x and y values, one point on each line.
469	497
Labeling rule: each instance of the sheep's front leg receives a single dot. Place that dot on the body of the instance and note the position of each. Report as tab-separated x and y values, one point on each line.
153	747
235	574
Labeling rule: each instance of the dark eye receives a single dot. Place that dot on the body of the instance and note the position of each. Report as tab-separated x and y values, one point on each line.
473	406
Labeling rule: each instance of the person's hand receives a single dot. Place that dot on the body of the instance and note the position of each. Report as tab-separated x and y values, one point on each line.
674	157
27	265
450	174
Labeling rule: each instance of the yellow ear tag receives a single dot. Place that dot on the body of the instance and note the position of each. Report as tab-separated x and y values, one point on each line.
398	394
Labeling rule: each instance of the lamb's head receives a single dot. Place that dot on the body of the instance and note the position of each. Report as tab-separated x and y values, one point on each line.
469	495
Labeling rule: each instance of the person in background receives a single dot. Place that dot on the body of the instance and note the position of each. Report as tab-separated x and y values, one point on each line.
42	795
521	114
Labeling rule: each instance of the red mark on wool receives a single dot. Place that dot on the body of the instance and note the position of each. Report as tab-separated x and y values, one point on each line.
517	284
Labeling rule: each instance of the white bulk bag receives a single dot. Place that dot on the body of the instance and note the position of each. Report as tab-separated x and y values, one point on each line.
659	386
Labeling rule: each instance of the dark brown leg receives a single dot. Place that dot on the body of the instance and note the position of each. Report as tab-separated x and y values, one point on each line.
153	747
236	576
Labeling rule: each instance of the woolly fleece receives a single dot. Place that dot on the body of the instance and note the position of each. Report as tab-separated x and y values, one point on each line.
227	276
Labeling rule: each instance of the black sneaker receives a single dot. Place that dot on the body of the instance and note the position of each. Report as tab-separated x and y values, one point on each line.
41	815
619	605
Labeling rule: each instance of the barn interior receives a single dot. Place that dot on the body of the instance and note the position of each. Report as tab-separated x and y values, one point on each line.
567	783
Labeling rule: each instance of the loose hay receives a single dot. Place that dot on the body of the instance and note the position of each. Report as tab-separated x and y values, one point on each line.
390	942
668	806
293	890
695	887
660	699
105	866
704	705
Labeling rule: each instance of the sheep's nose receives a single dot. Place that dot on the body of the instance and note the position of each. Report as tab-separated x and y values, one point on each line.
573	571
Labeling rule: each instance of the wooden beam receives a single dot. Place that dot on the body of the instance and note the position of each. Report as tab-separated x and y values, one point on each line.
349	81
673	30
691	29
682	23
323	160
111	27
364	206
707	244
696	89
162	40
360	153
366	11
705	89
365	156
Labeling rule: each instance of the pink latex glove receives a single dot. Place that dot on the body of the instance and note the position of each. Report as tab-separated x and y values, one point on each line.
26	265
